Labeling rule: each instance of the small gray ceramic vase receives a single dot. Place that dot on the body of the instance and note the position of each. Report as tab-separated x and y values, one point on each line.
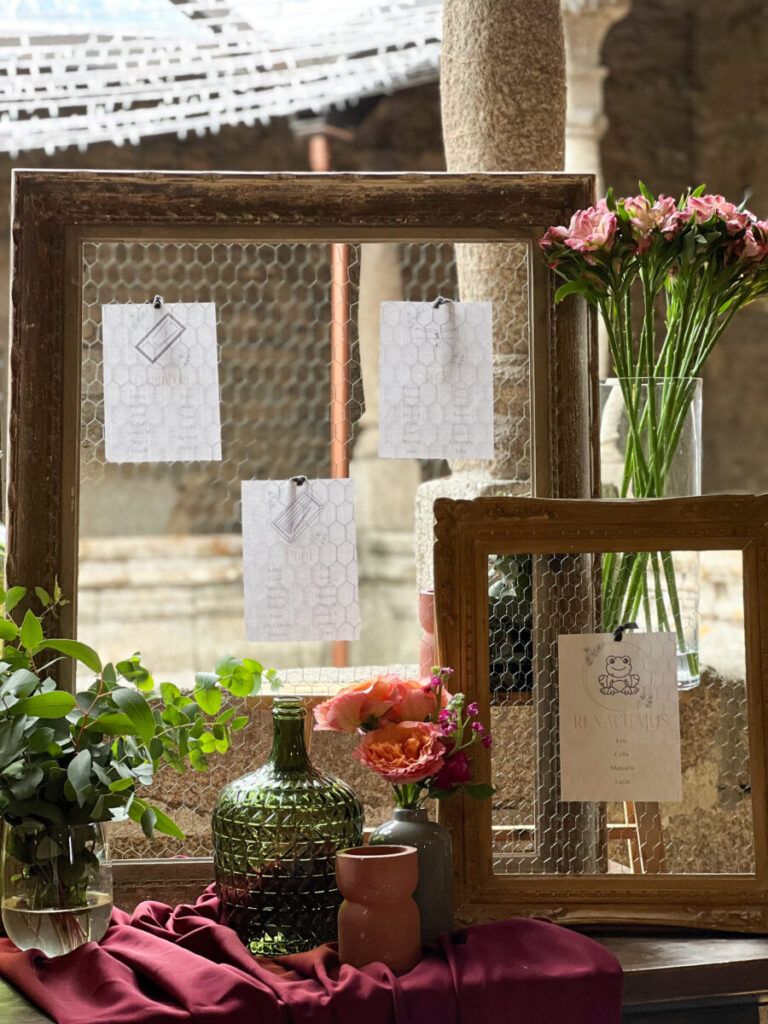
434	891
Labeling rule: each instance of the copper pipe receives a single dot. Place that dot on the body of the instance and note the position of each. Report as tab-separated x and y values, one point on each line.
320	161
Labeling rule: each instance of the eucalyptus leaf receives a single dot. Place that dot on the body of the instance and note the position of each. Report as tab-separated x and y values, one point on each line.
45	705
137	709
12	598
79	774
31	633
72	648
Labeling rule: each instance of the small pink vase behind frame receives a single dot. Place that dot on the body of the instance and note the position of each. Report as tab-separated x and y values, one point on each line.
378	920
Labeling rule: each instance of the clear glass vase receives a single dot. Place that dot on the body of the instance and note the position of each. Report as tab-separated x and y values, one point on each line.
650	447
57	885
276	832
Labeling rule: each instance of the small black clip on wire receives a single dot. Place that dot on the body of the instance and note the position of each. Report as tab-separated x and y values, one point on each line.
619	633
157	302
298	480
440	301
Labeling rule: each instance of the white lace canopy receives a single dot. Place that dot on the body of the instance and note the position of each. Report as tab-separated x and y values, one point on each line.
75	72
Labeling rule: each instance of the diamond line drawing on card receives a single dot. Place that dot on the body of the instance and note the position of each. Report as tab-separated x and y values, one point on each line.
297	516
159	338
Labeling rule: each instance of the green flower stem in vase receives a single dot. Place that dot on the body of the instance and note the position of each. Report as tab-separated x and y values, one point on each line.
640	261
651	447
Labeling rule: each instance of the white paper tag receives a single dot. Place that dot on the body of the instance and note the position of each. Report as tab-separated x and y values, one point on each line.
161	382
300	560
619	717
436	380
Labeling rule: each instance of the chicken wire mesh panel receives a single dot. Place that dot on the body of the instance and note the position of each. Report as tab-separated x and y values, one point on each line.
532	600
160	549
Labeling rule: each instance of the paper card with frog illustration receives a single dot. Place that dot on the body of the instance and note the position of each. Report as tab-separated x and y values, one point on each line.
619	719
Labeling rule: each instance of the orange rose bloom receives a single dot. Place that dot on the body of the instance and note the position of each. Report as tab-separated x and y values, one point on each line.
355	705
403	752
415	701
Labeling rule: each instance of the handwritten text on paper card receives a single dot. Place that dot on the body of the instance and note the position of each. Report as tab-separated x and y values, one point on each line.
619	718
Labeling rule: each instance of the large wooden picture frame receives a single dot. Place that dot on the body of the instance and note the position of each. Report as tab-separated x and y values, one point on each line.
57	213
467	532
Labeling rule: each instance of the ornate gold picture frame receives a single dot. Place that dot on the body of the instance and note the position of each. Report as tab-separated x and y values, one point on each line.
702	863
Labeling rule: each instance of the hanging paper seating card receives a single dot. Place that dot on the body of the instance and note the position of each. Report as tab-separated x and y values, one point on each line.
161	382
436	380
300	560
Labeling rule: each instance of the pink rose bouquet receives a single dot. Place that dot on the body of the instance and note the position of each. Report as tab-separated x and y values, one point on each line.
697	260
414	734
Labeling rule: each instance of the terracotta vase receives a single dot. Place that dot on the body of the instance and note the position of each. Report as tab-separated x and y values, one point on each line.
378	920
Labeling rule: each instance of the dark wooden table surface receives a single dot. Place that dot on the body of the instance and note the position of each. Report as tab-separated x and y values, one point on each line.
698	980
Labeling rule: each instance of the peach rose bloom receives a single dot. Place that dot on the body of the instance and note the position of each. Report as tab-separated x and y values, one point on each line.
403	751
415	702
355	705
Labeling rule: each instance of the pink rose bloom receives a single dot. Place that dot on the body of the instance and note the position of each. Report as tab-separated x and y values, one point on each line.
355	705
592	229
646	217
756	242
415	701
704	208
556	235
456	770
403	751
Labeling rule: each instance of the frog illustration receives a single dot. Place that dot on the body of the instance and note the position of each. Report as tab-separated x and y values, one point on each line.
619	677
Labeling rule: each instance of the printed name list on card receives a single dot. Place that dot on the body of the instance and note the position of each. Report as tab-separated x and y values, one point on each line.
436	380
619	718
161	383
300	560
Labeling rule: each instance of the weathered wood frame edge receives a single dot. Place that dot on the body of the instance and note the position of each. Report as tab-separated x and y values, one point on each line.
464	532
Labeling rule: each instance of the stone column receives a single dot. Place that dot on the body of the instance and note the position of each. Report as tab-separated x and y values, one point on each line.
384	489
502	81
586	23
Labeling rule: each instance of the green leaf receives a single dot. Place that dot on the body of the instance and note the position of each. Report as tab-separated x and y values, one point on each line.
8	630
209	700
479	790
47	849
137	709
27	785
238	723
147	822
43	596
79	774
45	705
12	598
569	288
72	648
645	191
31	631
36	809
165	825
113	723
41	739
170	693
120	784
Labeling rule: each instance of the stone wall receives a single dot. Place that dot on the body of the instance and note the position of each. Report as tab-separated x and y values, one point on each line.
686	99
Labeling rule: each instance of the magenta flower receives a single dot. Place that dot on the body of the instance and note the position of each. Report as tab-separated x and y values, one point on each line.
646	217
552	236
756	242
473	709
703	208
487	742
592	229
455	771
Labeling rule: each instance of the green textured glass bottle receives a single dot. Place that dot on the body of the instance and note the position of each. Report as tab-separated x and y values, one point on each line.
275	836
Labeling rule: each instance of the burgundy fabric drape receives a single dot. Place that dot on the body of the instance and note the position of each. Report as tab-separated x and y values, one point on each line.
161	965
